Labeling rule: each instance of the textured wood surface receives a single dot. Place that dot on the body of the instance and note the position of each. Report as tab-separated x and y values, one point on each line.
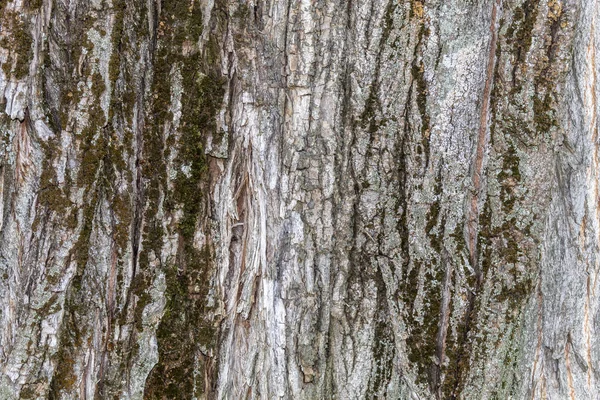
310	199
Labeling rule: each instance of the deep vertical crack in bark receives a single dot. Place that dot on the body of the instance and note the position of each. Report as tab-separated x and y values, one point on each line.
481	144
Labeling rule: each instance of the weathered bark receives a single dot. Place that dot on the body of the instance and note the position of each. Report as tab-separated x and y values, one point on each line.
299	199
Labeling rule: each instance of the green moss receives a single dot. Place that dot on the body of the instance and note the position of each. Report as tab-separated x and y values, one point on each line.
185	326
383	349
53	279
143	300
123	97
418	74
75	307
497	89
50	194
432	217
543	113
123	210
509	177
62	70
460	347
484	242
100	162
519	37
119	7
19	42
518	292
419	85
371	119
422	338
82	246
368	118
511	250
241	13
50	307
459	239
28	392
510	379
64	377
34	4
91	177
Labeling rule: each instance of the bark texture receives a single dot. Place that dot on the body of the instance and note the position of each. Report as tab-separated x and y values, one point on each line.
299	199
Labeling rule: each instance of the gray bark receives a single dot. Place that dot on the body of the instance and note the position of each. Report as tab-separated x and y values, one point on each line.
299	199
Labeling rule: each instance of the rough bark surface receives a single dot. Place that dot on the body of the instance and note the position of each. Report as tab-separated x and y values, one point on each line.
307	199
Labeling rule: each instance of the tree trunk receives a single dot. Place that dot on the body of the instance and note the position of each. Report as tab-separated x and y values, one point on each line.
277	199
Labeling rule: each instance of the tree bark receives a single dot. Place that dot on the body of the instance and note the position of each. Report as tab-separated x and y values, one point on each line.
325	199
